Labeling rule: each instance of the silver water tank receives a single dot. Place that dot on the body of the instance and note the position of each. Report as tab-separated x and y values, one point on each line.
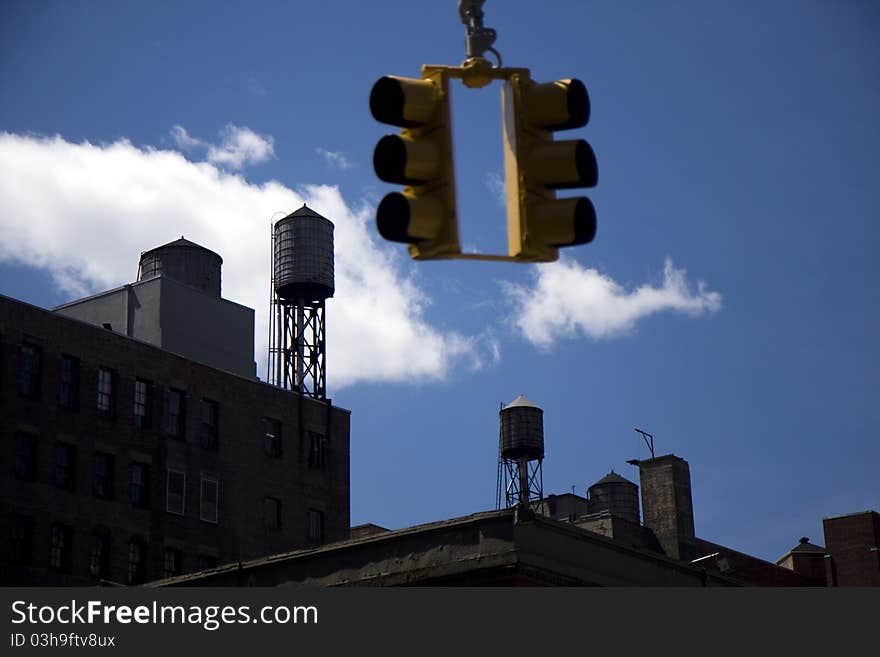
618	496
522	431
183	261
304	256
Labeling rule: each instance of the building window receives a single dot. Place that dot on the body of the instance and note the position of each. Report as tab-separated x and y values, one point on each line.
317	444
29	371
60	550
206	562
25	456
21	535
102	485
65	466
68	382
174	413
272	437
271	513
139	488
105	392
99	554
210	497
172	564
142	403
208	432
137	561
175	497
315	528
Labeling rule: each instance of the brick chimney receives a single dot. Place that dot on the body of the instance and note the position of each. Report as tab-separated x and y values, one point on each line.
853	541
667	506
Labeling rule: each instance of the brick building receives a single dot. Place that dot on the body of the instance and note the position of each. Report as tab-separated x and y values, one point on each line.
565	540
137	442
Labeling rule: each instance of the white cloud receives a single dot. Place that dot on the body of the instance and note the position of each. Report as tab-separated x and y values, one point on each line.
238	146
85	212
335	159
494	182
183	140
567	300
241	146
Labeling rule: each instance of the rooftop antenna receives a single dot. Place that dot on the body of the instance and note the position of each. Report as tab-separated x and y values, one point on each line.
650	443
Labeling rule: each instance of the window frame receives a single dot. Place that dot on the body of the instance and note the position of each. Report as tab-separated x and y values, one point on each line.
60	547
25	469
209	424
317	459
209	479
143	486
177	558
182	506
142	420
20	547
65	473
272	433
315	524
30	370
268	502
106	478
206	562
106	392
68	382
175	423
136	570
102	539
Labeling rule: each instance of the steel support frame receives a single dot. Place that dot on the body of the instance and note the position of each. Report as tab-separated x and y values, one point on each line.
297	347
520	483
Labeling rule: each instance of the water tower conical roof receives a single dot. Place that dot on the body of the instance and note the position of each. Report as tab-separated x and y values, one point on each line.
613	478
521	401
305	211
184	242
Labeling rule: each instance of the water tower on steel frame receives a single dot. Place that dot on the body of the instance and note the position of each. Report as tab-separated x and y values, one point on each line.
520	455
302	280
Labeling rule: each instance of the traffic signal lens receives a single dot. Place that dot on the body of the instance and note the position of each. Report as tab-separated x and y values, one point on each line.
392	217
588	168
584	221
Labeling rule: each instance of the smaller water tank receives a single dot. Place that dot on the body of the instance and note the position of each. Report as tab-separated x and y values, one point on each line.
183	261
618	496
303	258
522	431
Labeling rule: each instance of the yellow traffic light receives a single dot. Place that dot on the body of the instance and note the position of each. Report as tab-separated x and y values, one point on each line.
420	157
536	166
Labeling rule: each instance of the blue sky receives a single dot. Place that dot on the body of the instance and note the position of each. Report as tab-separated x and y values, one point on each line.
727	304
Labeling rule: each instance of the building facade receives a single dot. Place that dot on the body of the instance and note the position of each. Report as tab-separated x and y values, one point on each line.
123	462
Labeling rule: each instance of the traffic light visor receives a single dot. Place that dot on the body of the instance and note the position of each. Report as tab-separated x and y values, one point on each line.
404	102
406	161
563	164
564	222
560	105
402	218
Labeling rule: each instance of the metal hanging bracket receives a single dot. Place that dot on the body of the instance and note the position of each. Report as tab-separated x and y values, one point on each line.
478	38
